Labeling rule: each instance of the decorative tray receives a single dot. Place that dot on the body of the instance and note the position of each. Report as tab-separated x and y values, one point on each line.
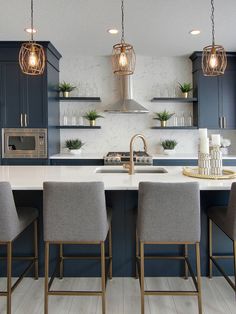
193	172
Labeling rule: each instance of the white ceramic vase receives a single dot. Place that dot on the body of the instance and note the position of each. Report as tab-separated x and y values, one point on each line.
75	151
169	151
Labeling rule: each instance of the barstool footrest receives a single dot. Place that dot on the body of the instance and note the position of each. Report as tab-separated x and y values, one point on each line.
74	293
173	293
220	269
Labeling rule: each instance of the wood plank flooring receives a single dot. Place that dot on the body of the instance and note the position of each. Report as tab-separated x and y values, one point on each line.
123	297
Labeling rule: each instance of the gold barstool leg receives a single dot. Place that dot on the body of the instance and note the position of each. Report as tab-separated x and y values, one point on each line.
46	265
61	260
103	278
137	255
142	275
36	263
234	243
9	273
110	253
185	263
210	247
199	278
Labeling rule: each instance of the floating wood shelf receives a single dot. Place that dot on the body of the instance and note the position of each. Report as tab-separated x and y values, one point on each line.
81	99
175	127
174	99
77	127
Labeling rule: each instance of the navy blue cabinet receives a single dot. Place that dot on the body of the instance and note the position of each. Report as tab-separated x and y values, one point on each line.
23	103
216	106
30	101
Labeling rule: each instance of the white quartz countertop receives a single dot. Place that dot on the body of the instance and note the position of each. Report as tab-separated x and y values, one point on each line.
155	156
32	177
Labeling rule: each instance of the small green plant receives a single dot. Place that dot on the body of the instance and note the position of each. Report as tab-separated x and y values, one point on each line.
163	116
169	144
185	87
74	144
92	115
66	87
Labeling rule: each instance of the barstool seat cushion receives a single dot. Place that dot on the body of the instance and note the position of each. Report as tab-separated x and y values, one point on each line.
75	212
219	215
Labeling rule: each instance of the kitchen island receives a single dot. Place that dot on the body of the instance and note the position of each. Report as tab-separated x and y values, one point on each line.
122	195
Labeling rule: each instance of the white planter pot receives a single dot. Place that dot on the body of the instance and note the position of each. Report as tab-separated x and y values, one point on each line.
169	151
75	151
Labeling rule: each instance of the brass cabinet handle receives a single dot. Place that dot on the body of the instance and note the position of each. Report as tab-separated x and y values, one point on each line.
220	122
21	120
224	122
25	120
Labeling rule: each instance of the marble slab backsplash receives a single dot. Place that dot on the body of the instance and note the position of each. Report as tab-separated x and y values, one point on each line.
154	77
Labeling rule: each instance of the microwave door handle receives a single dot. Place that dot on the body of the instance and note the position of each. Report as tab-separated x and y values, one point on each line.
21	119
25	120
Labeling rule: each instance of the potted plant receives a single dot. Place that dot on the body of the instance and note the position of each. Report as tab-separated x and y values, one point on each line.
163	117
91	116
169	146
224	144
185	89
74	146
66	88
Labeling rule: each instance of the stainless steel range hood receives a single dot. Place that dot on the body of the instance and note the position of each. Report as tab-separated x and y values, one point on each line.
127	104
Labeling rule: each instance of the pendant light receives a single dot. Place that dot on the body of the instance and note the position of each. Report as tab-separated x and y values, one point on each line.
214	60
31	55
123	55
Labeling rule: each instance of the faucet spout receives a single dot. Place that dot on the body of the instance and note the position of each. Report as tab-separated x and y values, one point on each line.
131	164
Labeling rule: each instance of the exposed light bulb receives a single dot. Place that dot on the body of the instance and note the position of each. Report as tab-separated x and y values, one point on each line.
213	62
33	60
123	61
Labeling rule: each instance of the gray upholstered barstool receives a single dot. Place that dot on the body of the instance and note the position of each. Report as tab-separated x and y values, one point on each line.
169	213
75	213
13	221
225	219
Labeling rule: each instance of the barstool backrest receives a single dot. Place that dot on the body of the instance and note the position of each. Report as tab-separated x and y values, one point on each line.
231	211
169	212
74	211
9	220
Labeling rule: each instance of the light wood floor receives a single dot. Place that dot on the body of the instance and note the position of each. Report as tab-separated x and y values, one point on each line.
123	297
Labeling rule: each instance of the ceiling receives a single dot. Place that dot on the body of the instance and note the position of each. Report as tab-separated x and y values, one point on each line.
154	27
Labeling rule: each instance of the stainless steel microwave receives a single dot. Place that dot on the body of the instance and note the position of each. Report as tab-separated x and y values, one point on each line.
24	143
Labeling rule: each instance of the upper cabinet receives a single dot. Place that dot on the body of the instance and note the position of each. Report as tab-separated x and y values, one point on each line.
216	105
30	101
22	101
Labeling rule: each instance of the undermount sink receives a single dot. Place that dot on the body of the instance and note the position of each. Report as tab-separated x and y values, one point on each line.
136	170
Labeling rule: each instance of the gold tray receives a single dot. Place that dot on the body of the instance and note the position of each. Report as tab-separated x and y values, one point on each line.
193	172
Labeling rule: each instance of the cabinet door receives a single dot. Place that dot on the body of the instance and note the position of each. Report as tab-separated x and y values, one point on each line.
12	95
228	99
208	102
34	102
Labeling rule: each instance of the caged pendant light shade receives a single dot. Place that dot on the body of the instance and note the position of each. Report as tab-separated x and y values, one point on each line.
32	55
123	55
214	60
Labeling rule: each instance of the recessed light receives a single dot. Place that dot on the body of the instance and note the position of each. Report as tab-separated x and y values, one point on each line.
195	32
113	31
30	30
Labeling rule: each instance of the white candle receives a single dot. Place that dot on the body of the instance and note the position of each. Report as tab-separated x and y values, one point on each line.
202	133
215	139
204	145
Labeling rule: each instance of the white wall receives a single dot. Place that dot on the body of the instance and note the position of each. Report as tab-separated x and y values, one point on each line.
153	77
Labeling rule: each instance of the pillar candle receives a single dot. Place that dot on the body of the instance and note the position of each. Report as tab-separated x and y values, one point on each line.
202	133
215	139
204	145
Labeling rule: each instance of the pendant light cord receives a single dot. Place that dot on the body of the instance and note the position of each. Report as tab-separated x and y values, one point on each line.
213	22
32	20
122	22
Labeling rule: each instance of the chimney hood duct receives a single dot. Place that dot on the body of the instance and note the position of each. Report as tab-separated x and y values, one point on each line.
127	104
